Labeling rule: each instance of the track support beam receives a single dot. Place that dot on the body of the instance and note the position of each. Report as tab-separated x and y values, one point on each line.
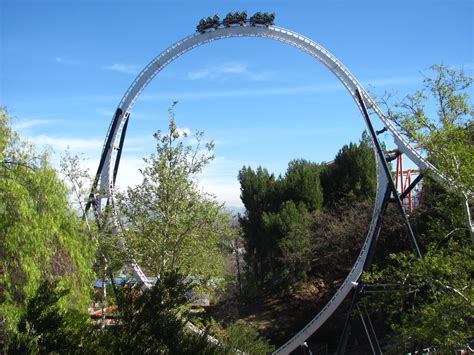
391	183
391	191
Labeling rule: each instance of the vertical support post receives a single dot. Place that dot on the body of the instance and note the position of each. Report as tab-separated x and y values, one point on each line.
118	114
369	337
341	349
391	184
392	189
408	183
120	148
372	330
398	170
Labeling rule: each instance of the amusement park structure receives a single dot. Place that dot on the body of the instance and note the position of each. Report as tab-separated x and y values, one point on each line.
261	25
411	198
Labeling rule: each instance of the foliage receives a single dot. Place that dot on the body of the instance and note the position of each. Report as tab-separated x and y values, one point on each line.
245	339
171	223
41	236
279	239
290	227
337	236
301	184
46	327
152	320
447	135
272	220
352	173
432	304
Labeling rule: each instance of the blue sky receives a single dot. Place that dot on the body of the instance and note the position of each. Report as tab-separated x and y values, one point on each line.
66	64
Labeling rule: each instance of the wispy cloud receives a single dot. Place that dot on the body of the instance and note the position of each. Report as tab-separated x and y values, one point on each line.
270	91
185	131
62	143
400	80
226	70
252	92
65	60
123	68
25	124
104	112
220	179
92	147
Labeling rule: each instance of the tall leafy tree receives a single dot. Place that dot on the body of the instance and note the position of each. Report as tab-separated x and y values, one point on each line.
271	224
259	191
170	223
40	236
431	303
352	172
291	229
301	184
445	133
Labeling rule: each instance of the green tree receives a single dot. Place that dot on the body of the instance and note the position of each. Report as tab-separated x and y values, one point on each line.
431	303
301	184
446	133
352	172
292	228
171	224
47	327
152	320
259	194
246	340
41	237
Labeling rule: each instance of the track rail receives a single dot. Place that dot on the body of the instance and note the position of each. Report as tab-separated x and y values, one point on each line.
112	145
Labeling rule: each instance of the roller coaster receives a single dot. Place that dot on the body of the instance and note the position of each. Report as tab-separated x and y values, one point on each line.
261	25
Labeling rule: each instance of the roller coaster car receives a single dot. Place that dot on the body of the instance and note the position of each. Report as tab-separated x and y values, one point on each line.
262	18
235	18
208	23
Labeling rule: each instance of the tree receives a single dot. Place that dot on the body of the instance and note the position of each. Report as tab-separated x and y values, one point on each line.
275	219
431	302
352	172
47	327
301	184
151	320
170	223
446	135
41	237
291	227
276	224
257	191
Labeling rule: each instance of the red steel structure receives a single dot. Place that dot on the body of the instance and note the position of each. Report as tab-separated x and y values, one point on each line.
403	180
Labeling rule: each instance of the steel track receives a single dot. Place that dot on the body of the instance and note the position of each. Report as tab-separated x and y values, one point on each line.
105	176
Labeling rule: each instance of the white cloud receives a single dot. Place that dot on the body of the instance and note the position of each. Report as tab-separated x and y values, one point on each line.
128	174
105	112
233	68
123	68
63	60
225	70
219	178
60	144
200	74
29	123
184	131
401	80
270	91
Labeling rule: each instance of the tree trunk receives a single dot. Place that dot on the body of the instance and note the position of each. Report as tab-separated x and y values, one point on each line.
467	211
237	262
